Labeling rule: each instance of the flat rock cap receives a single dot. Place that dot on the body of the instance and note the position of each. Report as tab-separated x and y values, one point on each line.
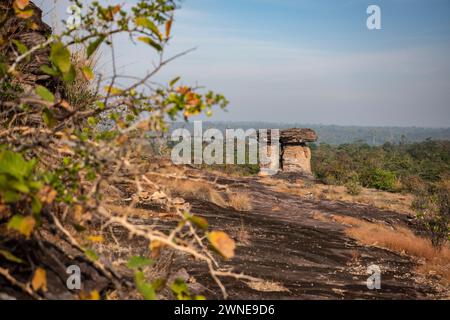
297	136
293	136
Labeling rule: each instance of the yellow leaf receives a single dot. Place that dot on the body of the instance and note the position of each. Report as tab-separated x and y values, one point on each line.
26	226
93	295
21	4
96	238
25	14
87	73
113	90
39	280
222	243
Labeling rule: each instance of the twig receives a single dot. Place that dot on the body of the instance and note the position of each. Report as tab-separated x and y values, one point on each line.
25	288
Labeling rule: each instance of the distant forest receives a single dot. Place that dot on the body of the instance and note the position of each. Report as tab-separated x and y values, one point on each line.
336	135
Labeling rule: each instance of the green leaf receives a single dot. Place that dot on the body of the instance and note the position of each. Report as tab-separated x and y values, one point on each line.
45	94
36	205
10	257
150	42
3	69
180	289
70	76
11	196
91	255
148	24
20	46
200	222
18	186
172	83
138	262
146	289
49	119
14	164
49	70
60	56
92	47
14	222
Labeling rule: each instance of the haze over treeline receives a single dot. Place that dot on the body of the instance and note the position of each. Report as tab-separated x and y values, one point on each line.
334	134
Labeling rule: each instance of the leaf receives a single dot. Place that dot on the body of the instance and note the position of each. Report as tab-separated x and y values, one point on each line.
113	90
36	205
13	164
174	81
200	222
48	70
20	46
19	186
138	262
10	257
23	225
92	47
60	56
96	238
91	255
222	243
87	73
11	197
168	27
25	14
93	295
21	4
49	119
70	76
39	280
148	24
45	94
180	289
146	289
150	42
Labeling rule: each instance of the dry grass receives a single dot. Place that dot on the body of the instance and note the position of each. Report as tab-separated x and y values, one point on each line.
383	200
241	235
195	189
401	240
205	191
240	201
267	286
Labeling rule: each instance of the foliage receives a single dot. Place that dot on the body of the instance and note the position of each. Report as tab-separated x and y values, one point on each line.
78	132
379	179
433	207
419	168
391	167
353	188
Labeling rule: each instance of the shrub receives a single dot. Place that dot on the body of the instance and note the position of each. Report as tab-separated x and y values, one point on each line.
379	179
353	188
433	209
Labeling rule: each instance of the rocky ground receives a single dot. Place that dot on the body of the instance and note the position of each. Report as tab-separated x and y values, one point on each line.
285	239
302	257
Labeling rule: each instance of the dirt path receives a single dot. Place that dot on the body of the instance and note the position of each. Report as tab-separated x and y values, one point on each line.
311	259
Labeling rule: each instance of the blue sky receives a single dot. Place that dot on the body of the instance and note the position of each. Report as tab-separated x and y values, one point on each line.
314	61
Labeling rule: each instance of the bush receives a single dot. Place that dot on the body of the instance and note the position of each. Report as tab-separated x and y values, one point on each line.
433	209
379	179
353	188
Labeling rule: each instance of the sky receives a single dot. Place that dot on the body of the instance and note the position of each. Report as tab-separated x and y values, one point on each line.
308	61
